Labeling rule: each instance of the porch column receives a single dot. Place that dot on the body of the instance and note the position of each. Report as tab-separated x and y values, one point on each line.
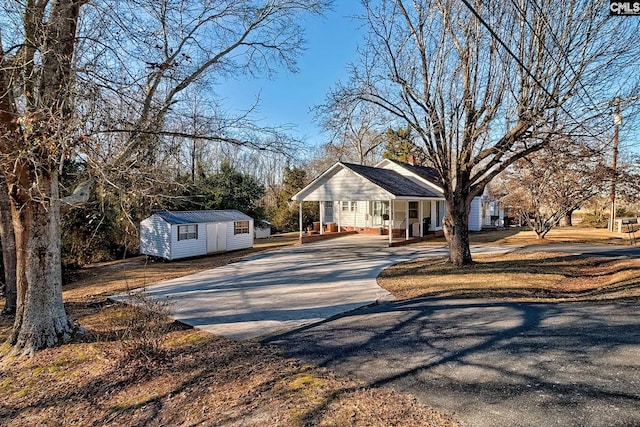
390	222
406	219
300	218
339	214
420	216
321	209
355	214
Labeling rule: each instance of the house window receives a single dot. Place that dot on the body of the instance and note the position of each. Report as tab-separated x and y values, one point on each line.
187	232
241	227
350	206
413	209
328	205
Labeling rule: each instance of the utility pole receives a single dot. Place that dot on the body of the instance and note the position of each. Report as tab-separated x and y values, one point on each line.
617	120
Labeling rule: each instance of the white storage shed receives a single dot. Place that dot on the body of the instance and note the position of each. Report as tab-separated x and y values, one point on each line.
174	235
262	229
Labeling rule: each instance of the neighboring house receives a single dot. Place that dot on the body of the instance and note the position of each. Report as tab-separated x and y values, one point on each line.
403	197
174	235
492	212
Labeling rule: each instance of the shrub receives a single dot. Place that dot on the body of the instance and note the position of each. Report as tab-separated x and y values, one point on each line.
143	326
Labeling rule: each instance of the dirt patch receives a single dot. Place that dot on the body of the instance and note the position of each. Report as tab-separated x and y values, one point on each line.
193	378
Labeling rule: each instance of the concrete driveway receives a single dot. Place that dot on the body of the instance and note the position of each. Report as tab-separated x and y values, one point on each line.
282	289
286	288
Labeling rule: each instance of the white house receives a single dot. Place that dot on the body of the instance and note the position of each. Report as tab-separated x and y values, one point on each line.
174	235
403	197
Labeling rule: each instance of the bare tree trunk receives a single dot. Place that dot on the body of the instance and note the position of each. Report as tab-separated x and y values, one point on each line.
31	157
7	127
456	230
41	320
8	249
567	221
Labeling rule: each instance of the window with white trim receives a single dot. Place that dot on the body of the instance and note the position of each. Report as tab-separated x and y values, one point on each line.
188	232
350	206
413	209
241	227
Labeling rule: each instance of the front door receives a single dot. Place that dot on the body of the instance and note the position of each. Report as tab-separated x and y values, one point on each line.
216	237
328	212
380	211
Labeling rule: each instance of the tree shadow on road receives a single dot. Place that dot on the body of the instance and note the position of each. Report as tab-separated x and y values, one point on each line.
530	363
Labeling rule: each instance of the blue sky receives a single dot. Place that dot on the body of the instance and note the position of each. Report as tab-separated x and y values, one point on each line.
332	43
287	98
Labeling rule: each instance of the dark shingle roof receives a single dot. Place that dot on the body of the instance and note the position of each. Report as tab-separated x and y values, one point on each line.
392	181
195	217
425	172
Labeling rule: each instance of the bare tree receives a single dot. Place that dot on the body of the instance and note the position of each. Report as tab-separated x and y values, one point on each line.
164	60
552	183
104	90
484	84
355	129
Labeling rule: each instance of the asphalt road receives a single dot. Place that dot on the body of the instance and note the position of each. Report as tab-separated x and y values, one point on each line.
491	363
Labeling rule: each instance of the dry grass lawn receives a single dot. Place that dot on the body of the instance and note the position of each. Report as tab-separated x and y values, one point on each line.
523	276
108	376
524	236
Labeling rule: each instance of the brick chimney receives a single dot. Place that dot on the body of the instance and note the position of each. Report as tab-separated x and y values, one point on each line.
411	159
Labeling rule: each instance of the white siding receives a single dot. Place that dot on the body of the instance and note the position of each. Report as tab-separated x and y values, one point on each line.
426	213
160	238
345	185
475	214
155	237
191	247
239	241
360	218
262	232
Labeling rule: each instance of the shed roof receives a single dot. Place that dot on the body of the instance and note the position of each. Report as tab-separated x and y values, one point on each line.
196	217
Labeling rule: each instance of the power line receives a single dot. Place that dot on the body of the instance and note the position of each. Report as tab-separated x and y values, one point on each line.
557	43
507	48
522	65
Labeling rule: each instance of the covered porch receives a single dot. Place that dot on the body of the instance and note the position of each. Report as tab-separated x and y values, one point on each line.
367	200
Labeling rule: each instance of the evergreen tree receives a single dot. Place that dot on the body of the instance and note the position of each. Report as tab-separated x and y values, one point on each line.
399	146
286	214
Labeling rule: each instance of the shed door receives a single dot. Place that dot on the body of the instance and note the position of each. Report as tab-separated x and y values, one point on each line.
216	237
